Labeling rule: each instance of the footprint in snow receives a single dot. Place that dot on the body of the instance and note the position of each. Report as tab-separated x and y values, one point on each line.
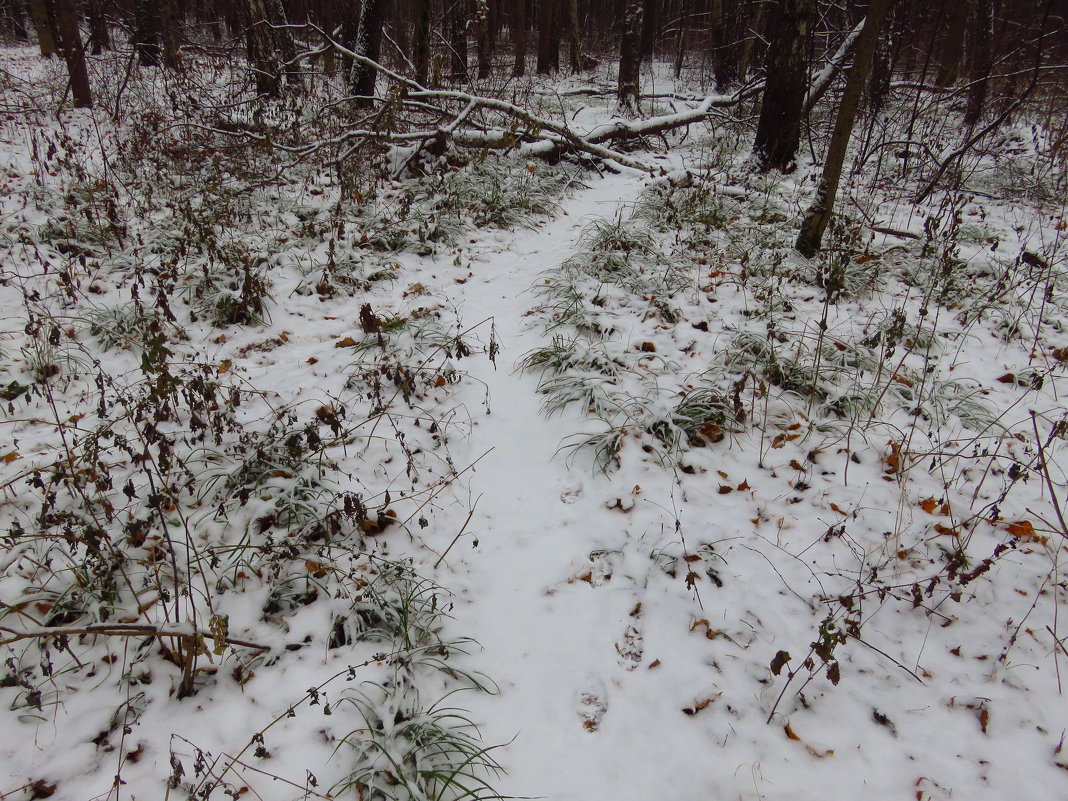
592	703
630	647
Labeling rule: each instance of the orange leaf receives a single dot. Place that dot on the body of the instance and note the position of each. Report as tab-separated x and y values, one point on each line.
10	457
790	733
929	505
347	342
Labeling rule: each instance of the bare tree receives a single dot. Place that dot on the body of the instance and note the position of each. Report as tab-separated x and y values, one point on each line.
819	213
786	73
519	37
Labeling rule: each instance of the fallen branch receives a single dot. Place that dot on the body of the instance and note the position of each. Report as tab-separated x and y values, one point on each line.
124	630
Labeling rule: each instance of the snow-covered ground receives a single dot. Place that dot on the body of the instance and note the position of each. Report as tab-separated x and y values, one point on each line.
791	600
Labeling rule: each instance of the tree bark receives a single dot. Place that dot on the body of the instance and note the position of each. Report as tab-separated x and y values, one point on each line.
482	37
14	22
786	68
99	35
546	18
627	92
265	68
46	40
519	37
458	18
69	44
980	59
368	44
819	213
421	46
146	33
283	40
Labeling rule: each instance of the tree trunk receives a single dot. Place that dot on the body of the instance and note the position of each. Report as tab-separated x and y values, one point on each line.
369	45
578	61
628	92
482	37
680	38
519	37
99	35
283	40
786	68
546	15
649	26
458	18
819	214
260	45
979	59
69	45
952	49
146	33
14	22
43	26
421	47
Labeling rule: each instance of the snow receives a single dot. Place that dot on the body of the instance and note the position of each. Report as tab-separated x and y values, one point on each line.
629	618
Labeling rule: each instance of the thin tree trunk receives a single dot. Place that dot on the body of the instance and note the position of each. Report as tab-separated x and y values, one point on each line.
69	43
680	38
782	111
46	41
482	38
819	213
519	37
979	59
421	47
628	92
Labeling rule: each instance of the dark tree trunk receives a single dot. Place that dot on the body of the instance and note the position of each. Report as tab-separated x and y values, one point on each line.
649	26
980	58
369	45
578	60
546	55
421	46
482	37
99	35
14	21
519	37
69	44
146	33
819	213
46	40
283	40
680	38
627	91
951	51
882	72
458	19
786	68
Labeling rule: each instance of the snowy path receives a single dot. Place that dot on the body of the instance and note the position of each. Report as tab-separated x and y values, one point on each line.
551	637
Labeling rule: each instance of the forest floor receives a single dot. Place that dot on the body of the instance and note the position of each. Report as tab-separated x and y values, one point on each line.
523	480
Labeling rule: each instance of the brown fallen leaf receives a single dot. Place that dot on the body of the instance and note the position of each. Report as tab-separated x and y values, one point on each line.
347	342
